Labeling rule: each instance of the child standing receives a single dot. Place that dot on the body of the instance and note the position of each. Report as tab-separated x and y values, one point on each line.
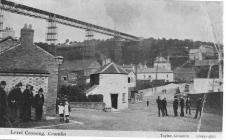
61	111
67	110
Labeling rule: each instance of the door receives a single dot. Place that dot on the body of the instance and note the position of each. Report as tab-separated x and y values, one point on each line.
114	101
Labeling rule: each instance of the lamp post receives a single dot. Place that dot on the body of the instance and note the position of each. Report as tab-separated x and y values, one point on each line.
59	61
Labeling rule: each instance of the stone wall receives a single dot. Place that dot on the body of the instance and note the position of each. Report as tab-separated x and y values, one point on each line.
38	81
88	105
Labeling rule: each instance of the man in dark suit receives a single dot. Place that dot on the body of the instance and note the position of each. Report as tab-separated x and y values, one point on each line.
175	106
199	105
27	102
3	105
159	104
15	103
39	101
164	104
182	107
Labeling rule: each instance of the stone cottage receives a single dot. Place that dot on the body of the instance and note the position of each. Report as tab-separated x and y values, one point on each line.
75	72
29	64
111	81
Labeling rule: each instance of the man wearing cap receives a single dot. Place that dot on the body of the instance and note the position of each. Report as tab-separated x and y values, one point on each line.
3	104
39	101
159	104
182	107
199	105
15	103
175	106
27	102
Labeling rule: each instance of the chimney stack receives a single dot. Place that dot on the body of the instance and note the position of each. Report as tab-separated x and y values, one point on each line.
27	36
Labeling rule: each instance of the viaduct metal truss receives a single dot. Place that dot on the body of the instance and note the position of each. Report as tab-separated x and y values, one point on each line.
37	13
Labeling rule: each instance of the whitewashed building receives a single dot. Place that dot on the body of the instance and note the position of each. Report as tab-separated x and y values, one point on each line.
205	85
202	53
160	71
111	81
131	79
131	75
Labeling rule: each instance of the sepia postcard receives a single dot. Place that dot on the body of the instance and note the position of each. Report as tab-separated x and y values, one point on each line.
111	68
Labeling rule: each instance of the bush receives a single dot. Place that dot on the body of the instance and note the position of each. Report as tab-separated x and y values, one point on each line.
77	94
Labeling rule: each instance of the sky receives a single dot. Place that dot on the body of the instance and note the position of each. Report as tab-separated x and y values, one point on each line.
196	20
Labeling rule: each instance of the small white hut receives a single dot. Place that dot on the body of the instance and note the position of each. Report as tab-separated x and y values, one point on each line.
111	81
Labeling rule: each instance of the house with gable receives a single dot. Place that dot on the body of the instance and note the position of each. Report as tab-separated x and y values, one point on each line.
27	63
78	71
161	71
111	81
7	43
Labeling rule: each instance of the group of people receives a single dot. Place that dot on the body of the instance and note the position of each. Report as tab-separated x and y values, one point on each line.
63	109
176	104
16	106
162	106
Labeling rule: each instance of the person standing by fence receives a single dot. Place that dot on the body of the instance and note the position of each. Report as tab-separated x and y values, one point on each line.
182	107
175	106
188	105
198	108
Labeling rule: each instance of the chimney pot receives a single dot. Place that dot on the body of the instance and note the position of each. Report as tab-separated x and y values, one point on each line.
25	26
27	36
30	26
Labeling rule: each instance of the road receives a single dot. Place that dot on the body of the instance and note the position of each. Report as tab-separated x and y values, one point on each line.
137	118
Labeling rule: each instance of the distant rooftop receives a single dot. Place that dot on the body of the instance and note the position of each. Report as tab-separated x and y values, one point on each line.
112	68
154	70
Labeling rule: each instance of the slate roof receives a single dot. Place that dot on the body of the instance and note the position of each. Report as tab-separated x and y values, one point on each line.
112	68
7	43
160	59
82	64
19	59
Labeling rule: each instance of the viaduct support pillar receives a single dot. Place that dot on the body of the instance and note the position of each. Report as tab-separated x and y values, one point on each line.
51	36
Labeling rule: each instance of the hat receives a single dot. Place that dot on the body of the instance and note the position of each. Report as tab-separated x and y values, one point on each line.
40	90
19	84
3	82
28	85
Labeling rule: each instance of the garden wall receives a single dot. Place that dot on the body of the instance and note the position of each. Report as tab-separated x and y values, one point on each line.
88	105
213	104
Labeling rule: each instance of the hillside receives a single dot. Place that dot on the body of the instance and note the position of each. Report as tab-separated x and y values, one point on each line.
131	52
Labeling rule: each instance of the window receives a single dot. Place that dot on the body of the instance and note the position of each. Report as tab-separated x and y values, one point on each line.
129	80
123	97
64	78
